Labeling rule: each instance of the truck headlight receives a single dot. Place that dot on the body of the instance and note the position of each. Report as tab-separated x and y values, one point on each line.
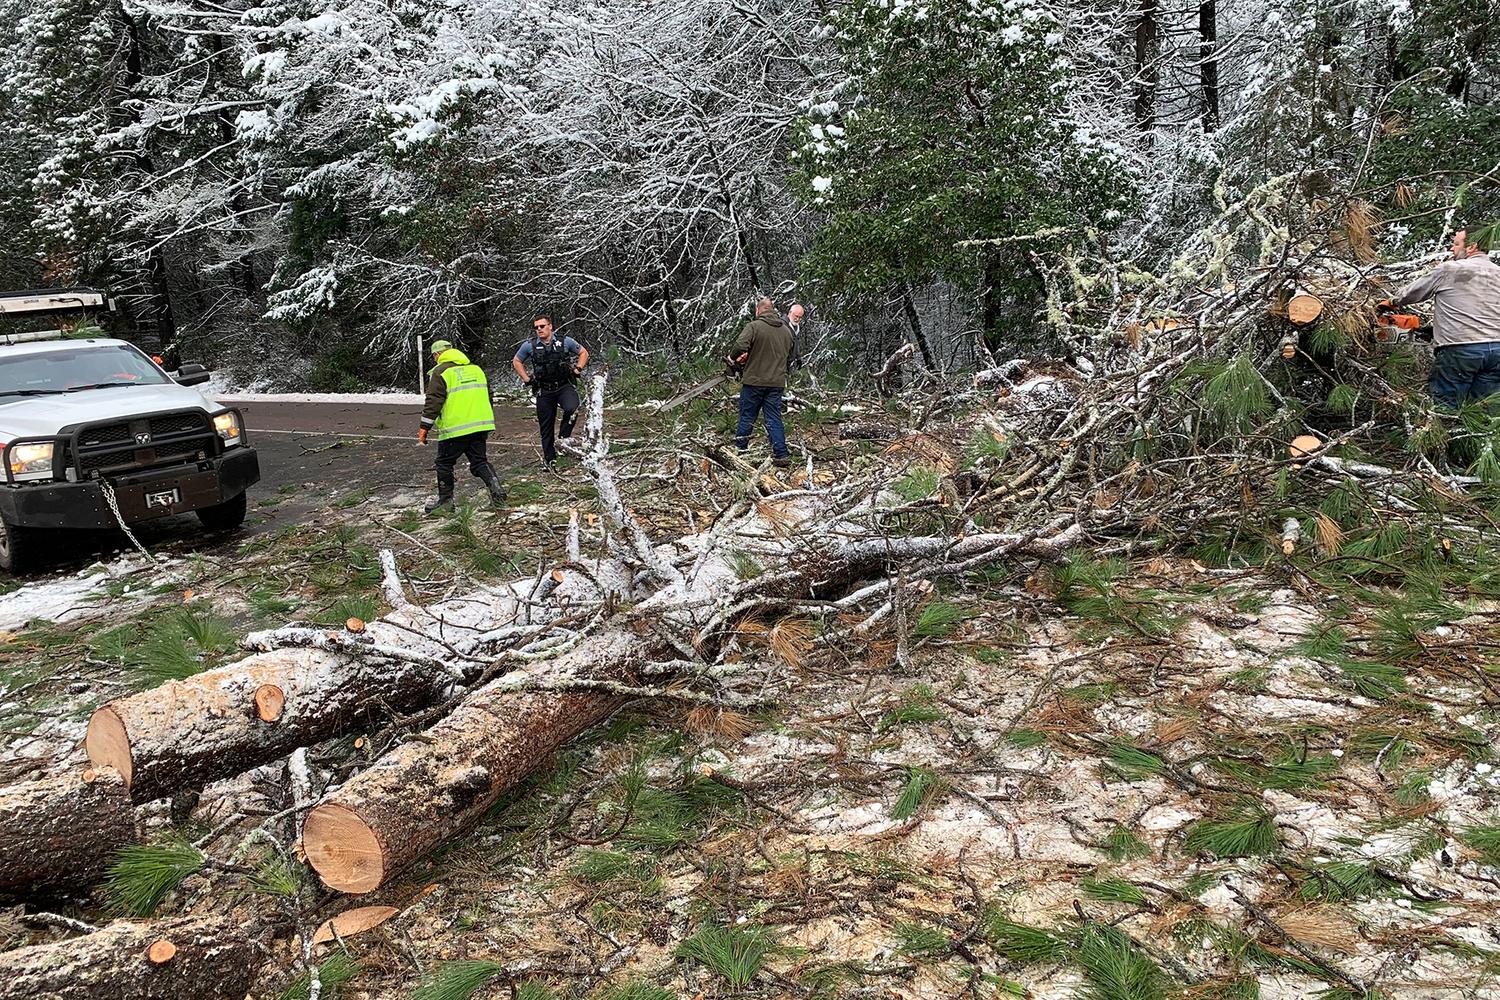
31	459
228	426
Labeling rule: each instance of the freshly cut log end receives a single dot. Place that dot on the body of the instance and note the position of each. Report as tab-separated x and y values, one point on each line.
1303	445
59	834
108	743
270	700
343	849
161	952
1304	308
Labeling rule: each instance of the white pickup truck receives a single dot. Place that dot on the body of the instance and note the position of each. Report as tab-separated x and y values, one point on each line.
94	433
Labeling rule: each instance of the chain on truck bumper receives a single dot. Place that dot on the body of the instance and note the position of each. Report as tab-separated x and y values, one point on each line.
142	496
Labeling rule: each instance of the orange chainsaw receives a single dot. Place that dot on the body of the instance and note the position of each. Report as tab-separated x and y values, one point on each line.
1394	325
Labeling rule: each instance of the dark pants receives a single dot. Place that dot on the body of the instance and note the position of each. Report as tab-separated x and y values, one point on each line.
1465	373
547	403
450	450
763	401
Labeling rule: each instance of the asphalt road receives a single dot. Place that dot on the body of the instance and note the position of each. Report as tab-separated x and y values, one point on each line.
312	454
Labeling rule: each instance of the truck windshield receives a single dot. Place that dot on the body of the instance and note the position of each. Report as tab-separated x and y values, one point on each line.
46	373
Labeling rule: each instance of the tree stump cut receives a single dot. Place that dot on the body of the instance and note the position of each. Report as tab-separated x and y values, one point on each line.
197	957
58	835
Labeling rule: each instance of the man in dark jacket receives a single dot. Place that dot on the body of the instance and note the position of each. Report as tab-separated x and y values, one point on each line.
761	352
459	414
556	362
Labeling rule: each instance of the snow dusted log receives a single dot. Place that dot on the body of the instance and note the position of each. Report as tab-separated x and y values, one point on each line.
199	957
61	833
225	721
426	792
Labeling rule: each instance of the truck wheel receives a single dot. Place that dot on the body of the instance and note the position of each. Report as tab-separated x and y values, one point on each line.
224	516
15	547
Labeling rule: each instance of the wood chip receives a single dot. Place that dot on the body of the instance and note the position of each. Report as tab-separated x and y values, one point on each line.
352	922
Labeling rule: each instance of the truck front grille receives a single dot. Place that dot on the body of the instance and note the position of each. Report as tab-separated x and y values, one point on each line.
125	446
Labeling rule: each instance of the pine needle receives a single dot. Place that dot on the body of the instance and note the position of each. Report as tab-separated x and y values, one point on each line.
922	784
1021	943
639	990
735	953
938	620
143	876
1252	834
1115	969
1113	890
333	972
457	980
1485	840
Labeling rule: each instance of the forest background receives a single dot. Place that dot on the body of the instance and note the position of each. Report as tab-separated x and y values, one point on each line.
295	190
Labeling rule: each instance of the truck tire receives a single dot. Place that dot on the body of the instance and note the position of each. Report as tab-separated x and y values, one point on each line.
16	547
224	516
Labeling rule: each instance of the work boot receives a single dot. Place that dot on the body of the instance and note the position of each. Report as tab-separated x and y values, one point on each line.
444	501
783	462
496	488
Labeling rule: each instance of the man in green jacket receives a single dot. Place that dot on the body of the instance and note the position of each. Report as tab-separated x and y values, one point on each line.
459	414
761	353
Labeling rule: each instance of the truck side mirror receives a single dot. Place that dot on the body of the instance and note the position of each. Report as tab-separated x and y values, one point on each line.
191	375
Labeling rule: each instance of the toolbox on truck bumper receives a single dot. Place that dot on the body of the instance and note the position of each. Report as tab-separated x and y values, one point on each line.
151	493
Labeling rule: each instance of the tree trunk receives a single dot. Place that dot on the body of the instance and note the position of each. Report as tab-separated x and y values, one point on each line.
1208	58
915	322
1147	48
426	792
202	957
60	834
209	726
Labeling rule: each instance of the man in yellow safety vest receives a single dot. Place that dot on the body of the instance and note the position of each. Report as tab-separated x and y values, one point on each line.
459	414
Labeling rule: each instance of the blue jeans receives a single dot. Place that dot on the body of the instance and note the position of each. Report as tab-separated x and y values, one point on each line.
1464	373
763	401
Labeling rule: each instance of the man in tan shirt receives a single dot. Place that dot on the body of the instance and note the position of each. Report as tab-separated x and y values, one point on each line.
1466	323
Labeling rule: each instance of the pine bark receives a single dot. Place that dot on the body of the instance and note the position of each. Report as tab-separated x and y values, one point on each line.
190	732
58	835
1147	50
429	791
212	957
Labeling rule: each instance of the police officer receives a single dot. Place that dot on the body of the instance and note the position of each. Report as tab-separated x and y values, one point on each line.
459	414
556	363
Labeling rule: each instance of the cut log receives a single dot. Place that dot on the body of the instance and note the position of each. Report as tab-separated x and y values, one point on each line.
60	834
1303	308
423	793
205	957
1303	445
214	725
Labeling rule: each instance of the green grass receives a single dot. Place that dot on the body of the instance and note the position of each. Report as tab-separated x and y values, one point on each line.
922	785
333	972
1250	834
143	876
734	953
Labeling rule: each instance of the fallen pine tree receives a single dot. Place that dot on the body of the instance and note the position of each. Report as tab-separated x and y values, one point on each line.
59	834
128	960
